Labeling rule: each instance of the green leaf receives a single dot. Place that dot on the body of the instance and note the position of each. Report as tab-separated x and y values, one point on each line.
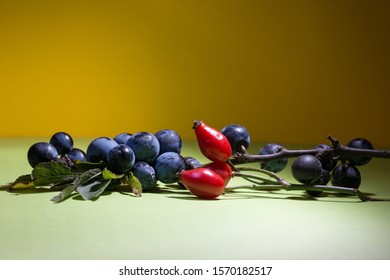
52	173
85	166
64	194
108	175
23	182
93	189
132	182
88	175
78	182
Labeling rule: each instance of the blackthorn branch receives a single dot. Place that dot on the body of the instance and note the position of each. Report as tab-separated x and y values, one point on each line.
272	181
338	150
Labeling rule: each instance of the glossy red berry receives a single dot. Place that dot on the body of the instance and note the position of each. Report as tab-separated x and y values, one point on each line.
222	169
203	182
212	143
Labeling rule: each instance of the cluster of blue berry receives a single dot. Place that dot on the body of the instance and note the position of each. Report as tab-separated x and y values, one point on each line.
150	157
322	168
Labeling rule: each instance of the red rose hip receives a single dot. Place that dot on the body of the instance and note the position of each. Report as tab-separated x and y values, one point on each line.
203	182
212	143
222	169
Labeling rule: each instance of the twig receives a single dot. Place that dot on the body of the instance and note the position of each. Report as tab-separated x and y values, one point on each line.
338	150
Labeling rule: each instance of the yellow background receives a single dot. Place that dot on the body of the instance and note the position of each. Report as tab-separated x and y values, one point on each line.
289	71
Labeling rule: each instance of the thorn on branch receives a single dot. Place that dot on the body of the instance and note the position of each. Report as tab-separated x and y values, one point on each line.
334	141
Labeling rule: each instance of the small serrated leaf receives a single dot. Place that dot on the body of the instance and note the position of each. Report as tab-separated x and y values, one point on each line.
23	182
52	173
93	189
135	184
64	194
132	182
79	181
87	176
85	165
108	175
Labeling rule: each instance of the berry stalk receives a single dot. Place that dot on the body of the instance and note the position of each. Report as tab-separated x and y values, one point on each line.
277	183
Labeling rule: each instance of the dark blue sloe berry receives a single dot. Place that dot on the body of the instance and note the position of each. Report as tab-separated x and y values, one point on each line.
327	161
192	163
122	138
169	140
145	174
77	154
237	136
275	165
63	142
98	149
306	169
346	176
359	143
168	165
322	180
41	152
120	159
145	146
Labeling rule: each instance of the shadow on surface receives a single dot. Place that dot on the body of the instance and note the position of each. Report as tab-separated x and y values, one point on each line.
280	195
176	191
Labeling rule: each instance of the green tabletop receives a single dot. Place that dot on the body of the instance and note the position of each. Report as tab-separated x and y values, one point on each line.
172	224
